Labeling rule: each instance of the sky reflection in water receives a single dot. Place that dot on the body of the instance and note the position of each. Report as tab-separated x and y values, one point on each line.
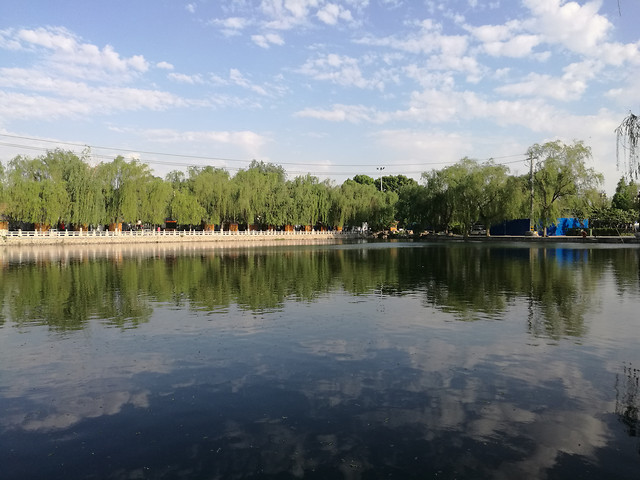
354	361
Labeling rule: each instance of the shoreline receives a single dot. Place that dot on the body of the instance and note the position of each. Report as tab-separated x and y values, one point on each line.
247	239
617	239
32	239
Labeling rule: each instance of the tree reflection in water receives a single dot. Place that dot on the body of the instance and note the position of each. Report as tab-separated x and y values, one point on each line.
469	281
628	400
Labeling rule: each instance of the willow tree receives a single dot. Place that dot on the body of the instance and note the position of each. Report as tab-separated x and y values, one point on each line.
441	203
124	187
185	209
82	183
561	178
627	136
362	203
3	188
309	201
212	188
412	206
252	190
155	202
35	192
500	196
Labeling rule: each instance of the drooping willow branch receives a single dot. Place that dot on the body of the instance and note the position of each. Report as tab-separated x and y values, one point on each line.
627	137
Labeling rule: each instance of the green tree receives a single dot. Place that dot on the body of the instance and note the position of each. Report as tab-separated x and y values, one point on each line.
310	202
251	191
395	183
500	196
440	200
452	196
183	203
83	186
625	196
364	180
124	186
561	177
36	192
212	188
185	209
412	206
155	204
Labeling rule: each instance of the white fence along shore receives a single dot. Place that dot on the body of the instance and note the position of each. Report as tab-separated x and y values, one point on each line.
24	237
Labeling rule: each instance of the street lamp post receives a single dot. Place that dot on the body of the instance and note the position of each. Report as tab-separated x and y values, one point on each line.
380	168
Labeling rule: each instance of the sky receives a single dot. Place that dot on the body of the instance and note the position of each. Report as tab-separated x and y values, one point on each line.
333	88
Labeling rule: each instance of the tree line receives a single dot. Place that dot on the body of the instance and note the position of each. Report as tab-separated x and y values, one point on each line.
62	187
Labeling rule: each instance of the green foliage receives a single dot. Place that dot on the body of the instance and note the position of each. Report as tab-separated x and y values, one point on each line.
36	191
561	178
395	183
364	180
468	192
124	185
211	188
155	203
626	195
61	186
412	207
185	209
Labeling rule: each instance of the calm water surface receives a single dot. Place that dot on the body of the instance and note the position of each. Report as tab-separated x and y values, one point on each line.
363	361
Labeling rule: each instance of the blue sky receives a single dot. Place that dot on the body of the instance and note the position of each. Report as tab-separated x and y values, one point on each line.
328	87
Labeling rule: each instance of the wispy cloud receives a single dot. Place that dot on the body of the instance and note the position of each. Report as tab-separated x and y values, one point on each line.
65	53
268	39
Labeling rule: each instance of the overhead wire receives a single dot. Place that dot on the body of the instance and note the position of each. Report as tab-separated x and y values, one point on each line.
95	155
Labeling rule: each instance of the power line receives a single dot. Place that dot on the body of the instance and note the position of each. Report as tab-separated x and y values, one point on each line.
392	165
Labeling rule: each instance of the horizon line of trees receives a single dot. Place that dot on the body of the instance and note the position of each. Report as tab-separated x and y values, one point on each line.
61	187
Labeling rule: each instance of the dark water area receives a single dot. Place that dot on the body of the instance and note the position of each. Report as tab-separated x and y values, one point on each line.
362	361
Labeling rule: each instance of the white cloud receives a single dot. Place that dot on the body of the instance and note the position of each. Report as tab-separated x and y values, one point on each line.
345	113
286	14
580	28
232	25
248	141
566	88
339	69
238	79
420	145
617	54
265	41
164	65
331	13
188	79
66	99
190	7
66	54
444	52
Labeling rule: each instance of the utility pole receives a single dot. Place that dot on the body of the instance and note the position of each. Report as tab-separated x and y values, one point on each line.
531	191
531	219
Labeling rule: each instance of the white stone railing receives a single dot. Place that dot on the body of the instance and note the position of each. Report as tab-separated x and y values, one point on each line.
160	233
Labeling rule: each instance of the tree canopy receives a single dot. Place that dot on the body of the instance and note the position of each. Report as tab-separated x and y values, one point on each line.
561	178
62	187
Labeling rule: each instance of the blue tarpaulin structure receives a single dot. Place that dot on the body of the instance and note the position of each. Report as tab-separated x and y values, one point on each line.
521	226
562	225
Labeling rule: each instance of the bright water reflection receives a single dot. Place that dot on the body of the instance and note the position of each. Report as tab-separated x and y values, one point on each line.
352	361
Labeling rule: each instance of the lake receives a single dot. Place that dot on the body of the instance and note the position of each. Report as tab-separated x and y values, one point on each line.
352	361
